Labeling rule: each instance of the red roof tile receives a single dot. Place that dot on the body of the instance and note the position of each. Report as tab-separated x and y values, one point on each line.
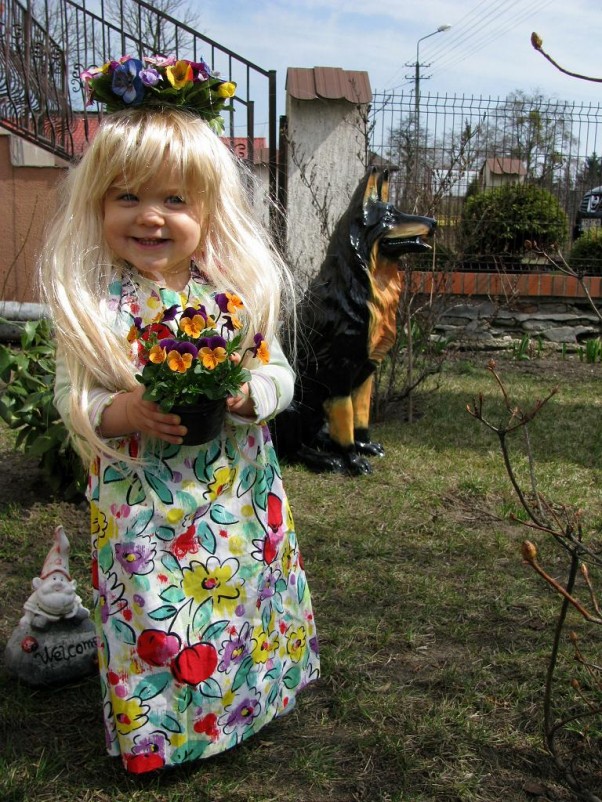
328	83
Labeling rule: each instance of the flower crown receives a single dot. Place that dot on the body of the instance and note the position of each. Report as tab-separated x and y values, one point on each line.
160	81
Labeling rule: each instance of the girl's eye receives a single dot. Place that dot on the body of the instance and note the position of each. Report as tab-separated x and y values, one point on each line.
175	199
127	196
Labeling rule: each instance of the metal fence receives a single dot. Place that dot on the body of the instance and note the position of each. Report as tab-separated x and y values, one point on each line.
44	46
439	149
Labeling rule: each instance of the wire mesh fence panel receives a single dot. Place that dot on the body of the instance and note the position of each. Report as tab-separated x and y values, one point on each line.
445	149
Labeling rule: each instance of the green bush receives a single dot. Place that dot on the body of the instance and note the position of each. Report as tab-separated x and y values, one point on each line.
26	405
498	222
586	253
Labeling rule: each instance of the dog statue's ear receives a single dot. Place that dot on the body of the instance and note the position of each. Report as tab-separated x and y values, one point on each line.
384	187
371	194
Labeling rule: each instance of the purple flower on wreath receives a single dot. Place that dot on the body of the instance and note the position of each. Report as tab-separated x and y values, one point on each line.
127	83
200	71
149	76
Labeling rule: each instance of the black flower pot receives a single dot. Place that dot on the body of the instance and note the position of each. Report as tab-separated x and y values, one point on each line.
204	420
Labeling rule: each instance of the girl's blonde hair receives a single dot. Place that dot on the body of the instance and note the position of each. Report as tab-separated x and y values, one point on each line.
77	267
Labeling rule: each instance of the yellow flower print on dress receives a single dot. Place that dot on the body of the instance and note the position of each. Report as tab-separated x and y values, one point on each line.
213	580
102	526
223	478
265	644
130	714
295	644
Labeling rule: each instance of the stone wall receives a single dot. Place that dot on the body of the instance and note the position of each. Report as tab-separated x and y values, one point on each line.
495	323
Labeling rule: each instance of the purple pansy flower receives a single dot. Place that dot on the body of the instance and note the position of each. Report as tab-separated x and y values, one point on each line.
149	76
127	83
222	300
170	313
236	648
180	347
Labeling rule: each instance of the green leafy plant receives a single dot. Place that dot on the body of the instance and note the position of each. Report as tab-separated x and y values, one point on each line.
586	253
592	352
26	405
498	222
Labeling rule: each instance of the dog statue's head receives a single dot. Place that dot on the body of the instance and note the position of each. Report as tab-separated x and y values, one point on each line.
383	226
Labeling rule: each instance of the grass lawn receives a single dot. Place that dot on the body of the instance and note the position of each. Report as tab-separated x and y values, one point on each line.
435	635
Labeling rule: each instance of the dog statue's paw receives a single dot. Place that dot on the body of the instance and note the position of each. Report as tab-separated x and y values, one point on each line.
321	461
369	448
357	465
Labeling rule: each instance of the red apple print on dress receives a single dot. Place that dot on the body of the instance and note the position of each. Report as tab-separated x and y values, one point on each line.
157	647
195	663
274	512
140	764
208	726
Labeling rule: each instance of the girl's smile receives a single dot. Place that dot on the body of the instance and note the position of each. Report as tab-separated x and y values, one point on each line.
153	229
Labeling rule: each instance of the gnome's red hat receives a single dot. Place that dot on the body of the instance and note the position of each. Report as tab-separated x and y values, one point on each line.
57	558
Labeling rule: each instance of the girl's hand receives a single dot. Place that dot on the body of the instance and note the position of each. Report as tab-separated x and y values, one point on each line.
242	403
129	413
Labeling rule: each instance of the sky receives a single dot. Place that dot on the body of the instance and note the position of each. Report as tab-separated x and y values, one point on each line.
486	52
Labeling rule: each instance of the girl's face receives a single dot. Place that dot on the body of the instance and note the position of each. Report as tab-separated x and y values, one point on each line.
153	228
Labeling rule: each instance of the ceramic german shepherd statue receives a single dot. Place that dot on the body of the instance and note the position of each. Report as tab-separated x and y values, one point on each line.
347	324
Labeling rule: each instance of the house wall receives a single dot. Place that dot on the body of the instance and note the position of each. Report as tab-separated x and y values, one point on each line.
27	200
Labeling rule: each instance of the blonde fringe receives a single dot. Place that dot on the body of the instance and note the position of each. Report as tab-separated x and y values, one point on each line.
76	267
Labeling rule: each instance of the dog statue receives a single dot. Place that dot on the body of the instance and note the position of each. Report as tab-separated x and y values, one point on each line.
347	324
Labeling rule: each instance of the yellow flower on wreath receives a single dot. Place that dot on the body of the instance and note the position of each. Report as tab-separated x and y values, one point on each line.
179	74
227	89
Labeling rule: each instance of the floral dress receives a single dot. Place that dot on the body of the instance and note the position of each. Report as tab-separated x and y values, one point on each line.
206	629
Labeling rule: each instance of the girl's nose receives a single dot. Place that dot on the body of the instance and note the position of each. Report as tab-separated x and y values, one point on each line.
150	215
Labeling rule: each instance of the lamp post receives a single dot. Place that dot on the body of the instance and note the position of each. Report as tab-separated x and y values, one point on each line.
440	29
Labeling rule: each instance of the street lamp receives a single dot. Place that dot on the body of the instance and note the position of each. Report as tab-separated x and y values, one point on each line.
440	29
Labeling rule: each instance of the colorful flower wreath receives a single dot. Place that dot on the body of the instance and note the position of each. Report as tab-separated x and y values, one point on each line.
160	81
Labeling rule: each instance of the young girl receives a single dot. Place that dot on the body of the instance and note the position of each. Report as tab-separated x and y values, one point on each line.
205	626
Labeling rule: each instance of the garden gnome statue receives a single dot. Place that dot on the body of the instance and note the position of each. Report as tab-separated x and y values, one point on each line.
55	640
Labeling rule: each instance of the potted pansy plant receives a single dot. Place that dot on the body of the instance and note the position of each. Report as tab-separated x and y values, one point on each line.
191	361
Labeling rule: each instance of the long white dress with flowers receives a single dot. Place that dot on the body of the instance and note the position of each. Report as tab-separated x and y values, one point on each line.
204	615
